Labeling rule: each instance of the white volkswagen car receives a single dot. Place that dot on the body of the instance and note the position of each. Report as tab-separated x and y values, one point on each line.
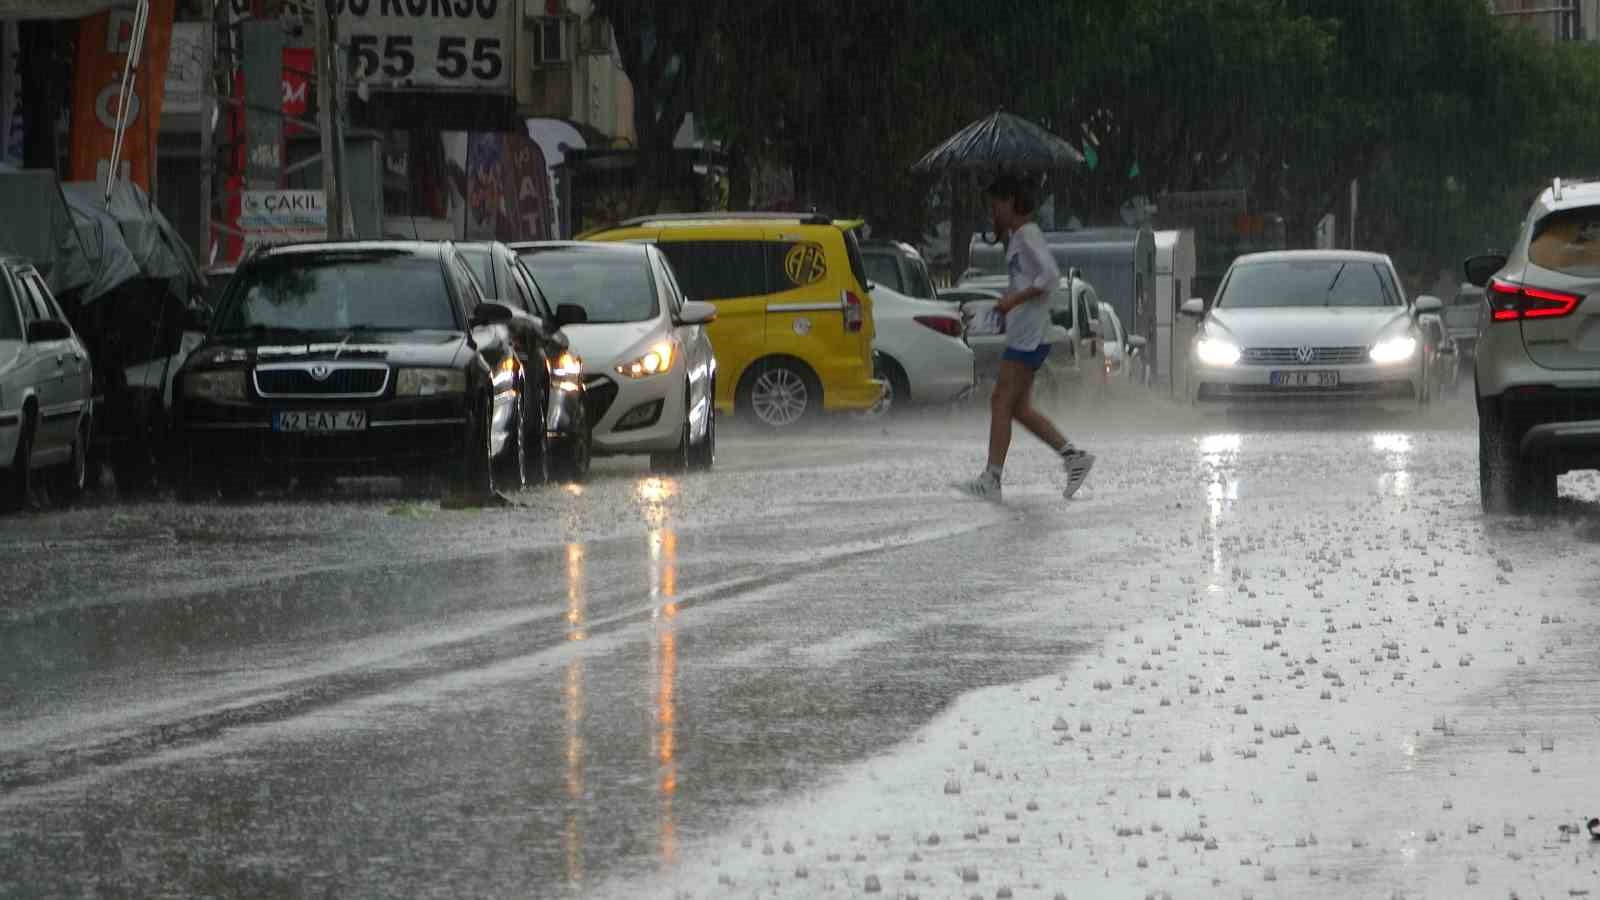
46	403
921	352
1311	325
647	363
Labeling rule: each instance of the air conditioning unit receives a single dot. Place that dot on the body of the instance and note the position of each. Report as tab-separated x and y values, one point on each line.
548	43
596	36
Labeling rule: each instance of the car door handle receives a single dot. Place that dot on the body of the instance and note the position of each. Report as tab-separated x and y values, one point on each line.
61	359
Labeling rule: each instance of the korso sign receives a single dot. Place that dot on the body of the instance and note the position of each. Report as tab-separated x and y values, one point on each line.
430	45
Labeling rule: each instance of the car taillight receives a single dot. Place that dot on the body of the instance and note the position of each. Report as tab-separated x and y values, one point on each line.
854	315
942	324
1510	302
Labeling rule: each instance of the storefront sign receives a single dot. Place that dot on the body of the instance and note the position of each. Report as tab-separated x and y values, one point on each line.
282	217
186	70
103	43
430	45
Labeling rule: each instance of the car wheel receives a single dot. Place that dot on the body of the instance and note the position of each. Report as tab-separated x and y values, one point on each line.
537	441
474	474
570	454
780	393
15	489
69	481
675	460
511	467
703	456
1508	483
896	386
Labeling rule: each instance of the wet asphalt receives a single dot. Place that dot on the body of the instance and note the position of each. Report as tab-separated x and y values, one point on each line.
363	694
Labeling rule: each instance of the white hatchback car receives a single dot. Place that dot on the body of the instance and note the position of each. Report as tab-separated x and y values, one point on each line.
46	399
648	365
922	354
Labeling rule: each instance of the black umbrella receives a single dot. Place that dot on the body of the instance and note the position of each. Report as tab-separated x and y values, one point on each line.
1001	140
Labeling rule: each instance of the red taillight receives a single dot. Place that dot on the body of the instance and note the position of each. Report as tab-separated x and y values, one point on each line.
854	315
942	324
1509	302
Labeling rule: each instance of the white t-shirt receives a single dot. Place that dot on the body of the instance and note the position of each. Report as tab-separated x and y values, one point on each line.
1030	264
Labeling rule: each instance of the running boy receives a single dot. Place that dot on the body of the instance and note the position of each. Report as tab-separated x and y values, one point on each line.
1026	308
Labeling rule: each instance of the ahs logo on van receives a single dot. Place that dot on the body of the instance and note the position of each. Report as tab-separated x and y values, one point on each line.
805	264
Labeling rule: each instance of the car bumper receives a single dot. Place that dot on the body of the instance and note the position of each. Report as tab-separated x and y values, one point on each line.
938	369
854	396
644	415
1360	384
401	435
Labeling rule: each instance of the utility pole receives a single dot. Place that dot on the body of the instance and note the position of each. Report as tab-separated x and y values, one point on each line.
328	117
208	122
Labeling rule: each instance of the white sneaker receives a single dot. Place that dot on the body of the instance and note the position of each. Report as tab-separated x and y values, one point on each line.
1077	463
984	487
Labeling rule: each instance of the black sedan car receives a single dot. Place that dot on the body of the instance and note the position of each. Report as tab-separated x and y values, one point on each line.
362	358
505	279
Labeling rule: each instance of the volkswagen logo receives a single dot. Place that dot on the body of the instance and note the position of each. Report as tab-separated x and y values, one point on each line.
321	372
1305	354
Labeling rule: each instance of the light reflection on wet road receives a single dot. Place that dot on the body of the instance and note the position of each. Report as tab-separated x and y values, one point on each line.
594	684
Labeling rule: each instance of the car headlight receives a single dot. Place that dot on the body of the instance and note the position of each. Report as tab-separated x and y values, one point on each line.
656	360
568	365
1217	352
1394	350
217	385
428	382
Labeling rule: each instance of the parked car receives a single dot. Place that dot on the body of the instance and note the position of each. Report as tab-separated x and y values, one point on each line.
359	358
1311	325
564	451
899	267
1124	353
1461	318
1537	365
646	357
922	354
46	391
794	326
1075	339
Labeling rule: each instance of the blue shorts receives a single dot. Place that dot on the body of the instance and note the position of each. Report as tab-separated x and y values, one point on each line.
1033	359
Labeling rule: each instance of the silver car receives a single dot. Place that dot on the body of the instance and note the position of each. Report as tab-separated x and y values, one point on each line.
1537	365
1311	325
46	403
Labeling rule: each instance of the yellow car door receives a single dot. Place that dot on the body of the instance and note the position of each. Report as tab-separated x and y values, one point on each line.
730	272
809	313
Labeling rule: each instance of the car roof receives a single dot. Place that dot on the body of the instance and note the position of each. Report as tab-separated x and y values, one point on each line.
900	247
663	219
1313	256
411	248
597	247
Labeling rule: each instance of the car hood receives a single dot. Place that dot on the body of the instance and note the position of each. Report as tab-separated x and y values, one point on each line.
412	348
602	347
1318	326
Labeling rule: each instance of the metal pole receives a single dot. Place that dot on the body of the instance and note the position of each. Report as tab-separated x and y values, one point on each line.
208	106
327	116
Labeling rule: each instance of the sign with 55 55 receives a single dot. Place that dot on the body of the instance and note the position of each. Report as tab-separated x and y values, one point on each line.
430	45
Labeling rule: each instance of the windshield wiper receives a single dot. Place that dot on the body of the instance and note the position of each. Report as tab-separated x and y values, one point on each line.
1327	296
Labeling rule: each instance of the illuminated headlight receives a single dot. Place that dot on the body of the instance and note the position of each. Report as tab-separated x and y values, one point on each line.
568	365
1394	350
654	362
221	385
1215	352
427	382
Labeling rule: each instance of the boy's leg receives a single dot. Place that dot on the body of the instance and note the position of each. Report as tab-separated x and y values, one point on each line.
1010	391
1040	426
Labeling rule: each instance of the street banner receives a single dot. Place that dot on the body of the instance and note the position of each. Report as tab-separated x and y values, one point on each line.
184	94
499	185
103	41
12	134
282	217
430	45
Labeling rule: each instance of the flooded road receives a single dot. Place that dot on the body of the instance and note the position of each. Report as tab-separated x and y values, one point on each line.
1253	658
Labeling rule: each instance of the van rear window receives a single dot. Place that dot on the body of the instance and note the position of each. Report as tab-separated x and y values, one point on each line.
1568	241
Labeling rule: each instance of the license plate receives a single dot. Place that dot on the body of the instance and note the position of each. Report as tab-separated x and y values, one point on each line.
328	422
1308	379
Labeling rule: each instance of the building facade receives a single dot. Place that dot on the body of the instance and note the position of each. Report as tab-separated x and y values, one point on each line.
1554	20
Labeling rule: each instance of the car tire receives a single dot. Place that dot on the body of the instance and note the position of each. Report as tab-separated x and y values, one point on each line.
537	440
511	466
780	393
703	456
68	482
676	460
17	483
897	395
570	455
473	478
1507	483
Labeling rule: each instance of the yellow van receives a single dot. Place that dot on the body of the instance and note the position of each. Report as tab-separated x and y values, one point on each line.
793	334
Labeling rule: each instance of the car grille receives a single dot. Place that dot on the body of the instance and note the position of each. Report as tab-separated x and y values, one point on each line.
341	381
1379	390
1290	356
600	393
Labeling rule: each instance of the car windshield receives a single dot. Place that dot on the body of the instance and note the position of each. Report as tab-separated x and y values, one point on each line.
10	325
340	293
921	283
883	269
1568	241
1307	283
610	287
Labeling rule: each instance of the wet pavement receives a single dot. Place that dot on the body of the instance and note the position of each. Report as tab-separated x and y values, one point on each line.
1254	658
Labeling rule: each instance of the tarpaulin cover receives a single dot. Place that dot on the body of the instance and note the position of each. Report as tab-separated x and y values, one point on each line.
35	225
101	236
1000	140
157	248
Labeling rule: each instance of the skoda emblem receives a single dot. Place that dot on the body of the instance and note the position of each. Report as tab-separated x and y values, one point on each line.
1305	354
320	372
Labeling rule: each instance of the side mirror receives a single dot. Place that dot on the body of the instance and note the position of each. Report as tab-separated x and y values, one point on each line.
1480	269
43	331
1426	304
492	313
1137	342
1193	308
571	314
697	312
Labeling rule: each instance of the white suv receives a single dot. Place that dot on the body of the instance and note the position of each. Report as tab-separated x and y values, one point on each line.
1537	368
